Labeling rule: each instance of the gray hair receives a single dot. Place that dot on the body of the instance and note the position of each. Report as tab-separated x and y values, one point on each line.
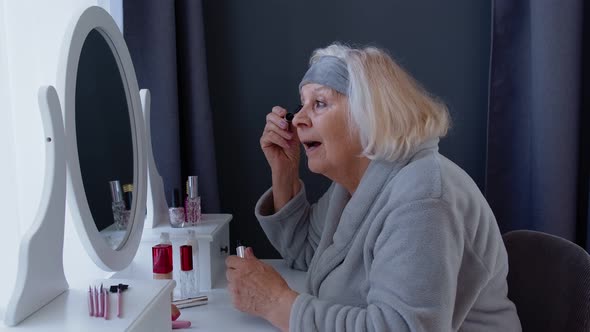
390	111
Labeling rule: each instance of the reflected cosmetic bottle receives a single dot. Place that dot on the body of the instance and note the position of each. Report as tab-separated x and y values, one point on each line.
118	205
162	261
188	282
176	212
192	205
128	199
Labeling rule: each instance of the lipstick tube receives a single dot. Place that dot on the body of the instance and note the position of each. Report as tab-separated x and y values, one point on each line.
240	249
106	304
95	295
119	303
100	302
90	302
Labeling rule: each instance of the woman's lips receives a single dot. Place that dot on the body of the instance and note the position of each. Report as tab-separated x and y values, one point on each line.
311	146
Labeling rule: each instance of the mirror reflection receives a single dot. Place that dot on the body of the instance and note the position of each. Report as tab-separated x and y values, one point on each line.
105	146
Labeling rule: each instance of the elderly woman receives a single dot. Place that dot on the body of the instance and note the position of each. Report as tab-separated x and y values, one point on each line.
402	240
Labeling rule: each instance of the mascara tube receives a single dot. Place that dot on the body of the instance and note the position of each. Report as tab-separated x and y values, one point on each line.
289	118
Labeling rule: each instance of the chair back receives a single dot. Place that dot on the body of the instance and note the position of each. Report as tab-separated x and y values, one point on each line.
548	281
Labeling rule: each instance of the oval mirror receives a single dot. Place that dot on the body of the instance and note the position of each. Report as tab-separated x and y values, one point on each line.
104	131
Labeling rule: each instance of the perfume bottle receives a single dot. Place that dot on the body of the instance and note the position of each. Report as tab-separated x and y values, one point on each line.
118	205
188	284
176	212
192	207
127	199
191	240
162	261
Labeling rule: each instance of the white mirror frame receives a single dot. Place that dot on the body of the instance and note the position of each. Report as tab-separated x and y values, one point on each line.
103	255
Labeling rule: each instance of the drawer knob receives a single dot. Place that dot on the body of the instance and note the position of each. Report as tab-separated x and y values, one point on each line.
224	249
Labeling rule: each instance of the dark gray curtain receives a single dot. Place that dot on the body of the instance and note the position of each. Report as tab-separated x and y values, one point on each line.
166	42
538	151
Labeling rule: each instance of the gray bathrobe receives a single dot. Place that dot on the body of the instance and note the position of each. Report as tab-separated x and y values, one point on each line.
416	248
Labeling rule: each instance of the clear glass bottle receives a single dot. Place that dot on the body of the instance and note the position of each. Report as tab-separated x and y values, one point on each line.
176	212
192	207
162	261
191	240
118	205
127	199
188	283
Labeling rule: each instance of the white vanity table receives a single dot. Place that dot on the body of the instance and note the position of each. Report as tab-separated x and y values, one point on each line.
219	315
104	136
70	313
143	305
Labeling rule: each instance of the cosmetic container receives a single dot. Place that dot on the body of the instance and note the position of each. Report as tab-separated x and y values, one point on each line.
192	207
188	283
240	249
162	261
191	240
127	199
118	205
176	212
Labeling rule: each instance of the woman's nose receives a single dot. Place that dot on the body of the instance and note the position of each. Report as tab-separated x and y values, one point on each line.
301	118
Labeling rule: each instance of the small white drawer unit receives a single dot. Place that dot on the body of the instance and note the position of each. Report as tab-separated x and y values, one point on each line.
212	236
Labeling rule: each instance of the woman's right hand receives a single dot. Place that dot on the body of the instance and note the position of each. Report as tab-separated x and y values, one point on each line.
280	143
281	147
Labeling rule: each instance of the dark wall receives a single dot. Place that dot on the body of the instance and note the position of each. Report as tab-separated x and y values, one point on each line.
257	52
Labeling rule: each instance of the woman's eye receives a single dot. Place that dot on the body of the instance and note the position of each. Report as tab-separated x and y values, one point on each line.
319	104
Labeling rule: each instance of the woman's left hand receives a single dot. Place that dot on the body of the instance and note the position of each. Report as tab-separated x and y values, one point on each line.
258	289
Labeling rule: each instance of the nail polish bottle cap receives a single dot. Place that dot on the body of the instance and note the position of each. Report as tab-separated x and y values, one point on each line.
193	186
116	192
162	258
176	198
186	258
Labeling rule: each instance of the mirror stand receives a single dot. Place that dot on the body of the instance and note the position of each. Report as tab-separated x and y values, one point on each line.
157	208
39	279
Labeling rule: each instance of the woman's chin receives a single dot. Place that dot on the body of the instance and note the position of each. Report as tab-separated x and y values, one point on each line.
314	166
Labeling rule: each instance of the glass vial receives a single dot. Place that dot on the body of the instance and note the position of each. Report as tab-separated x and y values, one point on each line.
188	283
127	199
191	240
176	212
118	205
162	261
192	207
